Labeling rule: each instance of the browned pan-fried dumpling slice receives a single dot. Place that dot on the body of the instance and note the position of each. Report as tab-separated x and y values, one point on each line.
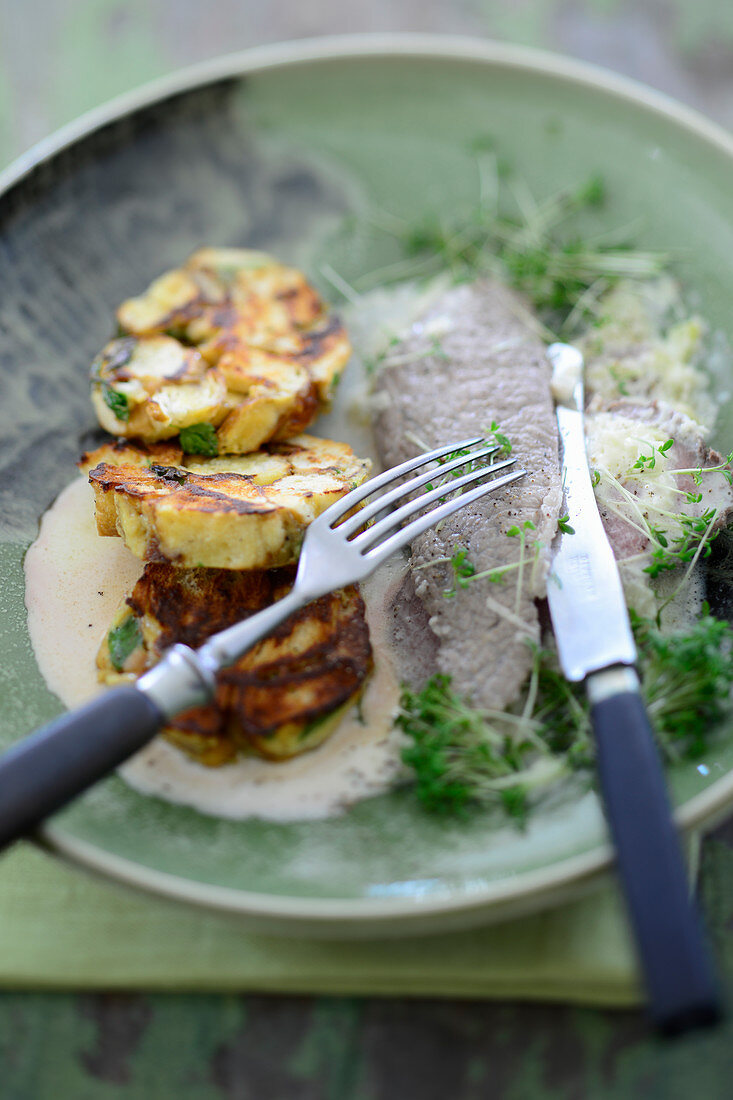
123	452
229	351
283	697
235	512
155	388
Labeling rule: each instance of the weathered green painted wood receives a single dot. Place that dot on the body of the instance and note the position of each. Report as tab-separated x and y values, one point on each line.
61	57
54	1047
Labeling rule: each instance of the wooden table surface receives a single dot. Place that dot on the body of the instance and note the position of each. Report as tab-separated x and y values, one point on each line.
58	58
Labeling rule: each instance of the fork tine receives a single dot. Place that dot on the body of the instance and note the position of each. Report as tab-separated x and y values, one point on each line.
412	530
336	510
374	507
375	533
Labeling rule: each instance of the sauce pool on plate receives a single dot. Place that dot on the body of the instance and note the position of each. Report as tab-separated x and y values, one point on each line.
75	581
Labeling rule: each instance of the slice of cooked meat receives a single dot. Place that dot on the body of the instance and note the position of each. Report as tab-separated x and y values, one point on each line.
233	344
284	696
411	637
239	512
629	498
489	366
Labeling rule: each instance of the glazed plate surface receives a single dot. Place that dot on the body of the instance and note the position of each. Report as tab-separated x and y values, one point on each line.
272	150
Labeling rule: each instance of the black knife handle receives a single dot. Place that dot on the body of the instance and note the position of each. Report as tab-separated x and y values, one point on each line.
42	773
674	957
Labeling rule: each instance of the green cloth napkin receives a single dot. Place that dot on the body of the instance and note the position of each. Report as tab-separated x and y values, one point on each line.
61	928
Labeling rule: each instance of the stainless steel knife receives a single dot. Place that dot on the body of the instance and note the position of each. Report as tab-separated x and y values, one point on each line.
595	645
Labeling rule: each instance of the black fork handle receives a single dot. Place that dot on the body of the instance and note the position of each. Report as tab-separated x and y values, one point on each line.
47	770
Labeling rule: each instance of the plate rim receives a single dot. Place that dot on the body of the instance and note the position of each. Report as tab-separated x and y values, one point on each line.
336	47
540	884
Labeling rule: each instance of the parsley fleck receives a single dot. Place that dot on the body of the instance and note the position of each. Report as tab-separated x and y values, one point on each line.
116	401
200	439
123	640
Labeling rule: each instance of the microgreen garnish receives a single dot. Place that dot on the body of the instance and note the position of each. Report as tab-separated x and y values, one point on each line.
464	571
466	758
694	541
698	472
371	366
503	441
471	465
531	244
564	525
686	681
677	539
462	452
648	462
389	358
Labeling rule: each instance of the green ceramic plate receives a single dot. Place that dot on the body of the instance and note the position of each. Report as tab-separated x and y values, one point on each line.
272	149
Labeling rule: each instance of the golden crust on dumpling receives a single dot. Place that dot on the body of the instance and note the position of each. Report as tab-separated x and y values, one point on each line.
230	512
233	342
283	697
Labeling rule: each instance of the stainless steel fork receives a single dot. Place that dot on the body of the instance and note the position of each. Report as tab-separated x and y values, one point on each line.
344	544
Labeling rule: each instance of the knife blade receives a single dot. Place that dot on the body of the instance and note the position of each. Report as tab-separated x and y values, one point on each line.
595	644
584	590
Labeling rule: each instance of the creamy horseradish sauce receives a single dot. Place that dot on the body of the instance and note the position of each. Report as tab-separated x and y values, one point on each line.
75	580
